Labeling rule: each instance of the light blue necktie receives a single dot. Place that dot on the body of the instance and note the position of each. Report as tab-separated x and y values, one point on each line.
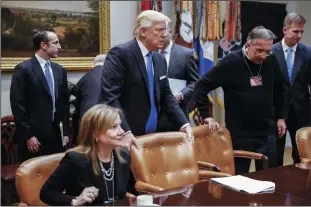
48	77
290	62
152	121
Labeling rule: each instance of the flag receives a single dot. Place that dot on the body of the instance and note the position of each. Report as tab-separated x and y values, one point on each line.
231	39
151	5
204	53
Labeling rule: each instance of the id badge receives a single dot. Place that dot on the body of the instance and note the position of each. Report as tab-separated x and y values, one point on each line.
255	81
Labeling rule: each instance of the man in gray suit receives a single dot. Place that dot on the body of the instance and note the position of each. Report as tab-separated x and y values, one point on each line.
292	56
182	67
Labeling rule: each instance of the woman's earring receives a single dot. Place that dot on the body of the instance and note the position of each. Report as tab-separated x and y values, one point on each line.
96	140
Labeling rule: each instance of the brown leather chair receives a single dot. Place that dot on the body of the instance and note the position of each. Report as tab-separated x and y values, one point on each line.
303	139
216	148
32	174
164	161
9	160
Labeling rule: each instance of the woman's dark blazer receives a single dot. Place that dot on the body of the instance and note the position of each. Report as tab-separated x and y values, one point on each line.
75	173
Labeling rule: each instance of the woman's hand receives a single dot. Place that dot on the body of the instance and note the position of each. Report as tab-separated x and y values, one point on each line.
88	195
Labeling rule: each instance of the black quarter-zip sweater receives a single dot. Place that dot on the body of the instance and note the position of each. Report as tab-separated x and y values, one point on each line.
249	111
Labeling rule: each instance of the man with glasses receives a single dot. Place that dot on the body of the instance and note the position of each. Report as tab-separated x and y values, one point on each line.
291	56
255	93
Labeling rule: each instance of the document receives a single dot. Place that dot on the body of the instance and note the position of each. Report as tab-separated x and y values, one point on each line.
177	85
245	184
62	133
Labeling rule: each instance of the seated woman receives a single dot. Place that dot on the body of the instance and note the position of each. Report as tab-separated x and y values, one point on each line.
98	169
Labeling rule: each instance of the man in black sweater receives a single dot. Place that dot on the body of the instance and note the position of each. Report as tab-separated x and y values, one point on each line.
254	92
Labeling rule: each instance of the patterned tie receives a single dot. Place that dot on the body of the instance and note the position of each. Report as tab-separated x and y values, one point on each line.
152	121
48	77
290	62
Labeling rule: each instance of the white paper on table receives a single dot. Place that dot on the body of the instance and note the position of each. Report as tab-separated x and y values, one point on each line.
245	184
62	133
177	85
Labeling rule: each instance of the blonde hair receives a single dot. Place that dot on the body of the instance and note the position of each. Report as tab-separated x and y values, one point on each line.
147	18
96	120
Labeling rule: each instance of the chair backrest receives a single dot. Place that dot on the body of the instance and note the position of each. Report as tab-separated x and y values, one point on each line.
166	160
303	139
32	174
214	147
9	153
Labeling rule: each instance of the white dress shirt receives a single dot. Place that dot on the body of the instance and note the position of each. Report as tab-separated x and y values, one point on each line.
144	52
167	53
42	63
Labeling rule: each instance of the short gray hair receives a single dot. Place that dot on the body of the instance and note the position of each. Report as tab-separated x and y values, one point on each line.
294	18
99	59
147	18
260	32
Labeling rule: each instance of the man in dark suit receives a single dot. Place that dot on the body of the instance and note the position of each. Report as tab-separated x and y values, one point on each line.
134	79
39	99
291	55
87	93
182	68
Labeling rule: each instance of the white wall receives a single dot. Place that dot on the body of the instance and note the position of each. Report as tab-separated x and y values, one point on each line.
122	19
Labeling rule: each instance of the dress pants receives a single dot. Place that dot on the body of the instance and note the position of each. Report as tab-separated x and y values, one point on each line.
292	127
264	145
50	145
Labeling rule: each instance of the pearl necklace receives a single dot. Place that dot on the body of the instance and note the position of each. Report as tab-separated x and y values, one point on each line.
108	174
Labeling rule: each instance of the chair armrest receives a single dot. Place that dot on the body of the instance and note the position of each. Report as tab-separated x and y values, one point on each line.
251	155
22	204
208	166
129	195
206	174
145	187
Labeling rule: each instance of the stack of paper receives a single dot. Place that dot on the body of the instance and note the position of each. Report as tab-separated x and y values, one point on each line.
245	184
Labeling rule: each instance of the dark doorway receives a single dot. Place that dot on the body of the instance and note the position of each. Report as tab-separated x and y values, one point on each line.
269	15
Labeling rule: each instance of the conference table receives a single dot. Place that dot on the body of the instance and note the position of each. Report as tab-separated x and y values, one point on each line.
292	188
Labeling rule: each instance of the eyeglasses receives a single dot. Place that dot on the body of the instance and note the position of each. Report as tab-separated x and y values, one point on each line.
263	53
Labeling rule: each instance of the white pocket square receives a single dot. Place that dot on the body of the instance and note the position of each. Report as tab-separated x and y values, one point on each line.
162	77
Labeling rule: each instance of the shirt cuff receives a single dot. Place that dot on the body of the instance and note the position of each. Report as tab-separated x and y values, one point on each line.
183	126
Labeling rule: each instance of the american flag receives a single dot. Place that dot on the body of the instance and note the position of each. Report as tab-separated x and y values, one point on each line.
225	45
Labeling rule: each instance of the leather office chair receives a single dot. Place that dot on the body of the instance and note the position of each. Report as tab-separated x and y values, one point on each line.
303	139
216	148
165	161
32	174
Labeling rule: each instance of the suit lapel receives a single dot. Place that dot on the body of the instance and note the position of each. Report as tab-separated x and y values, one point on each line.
38	70
56	80
279	53
141	63
173	60
297	62
156	80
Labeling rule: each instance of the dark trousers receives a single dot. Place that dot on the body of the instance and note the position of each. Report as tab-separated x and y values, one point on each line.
292	127
50	145
263	145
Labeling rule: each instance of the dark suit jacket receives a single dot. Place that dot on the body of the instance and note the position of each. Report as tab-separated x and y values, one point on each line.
31	102
298	93
75	173
87	95
183	66
125	86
